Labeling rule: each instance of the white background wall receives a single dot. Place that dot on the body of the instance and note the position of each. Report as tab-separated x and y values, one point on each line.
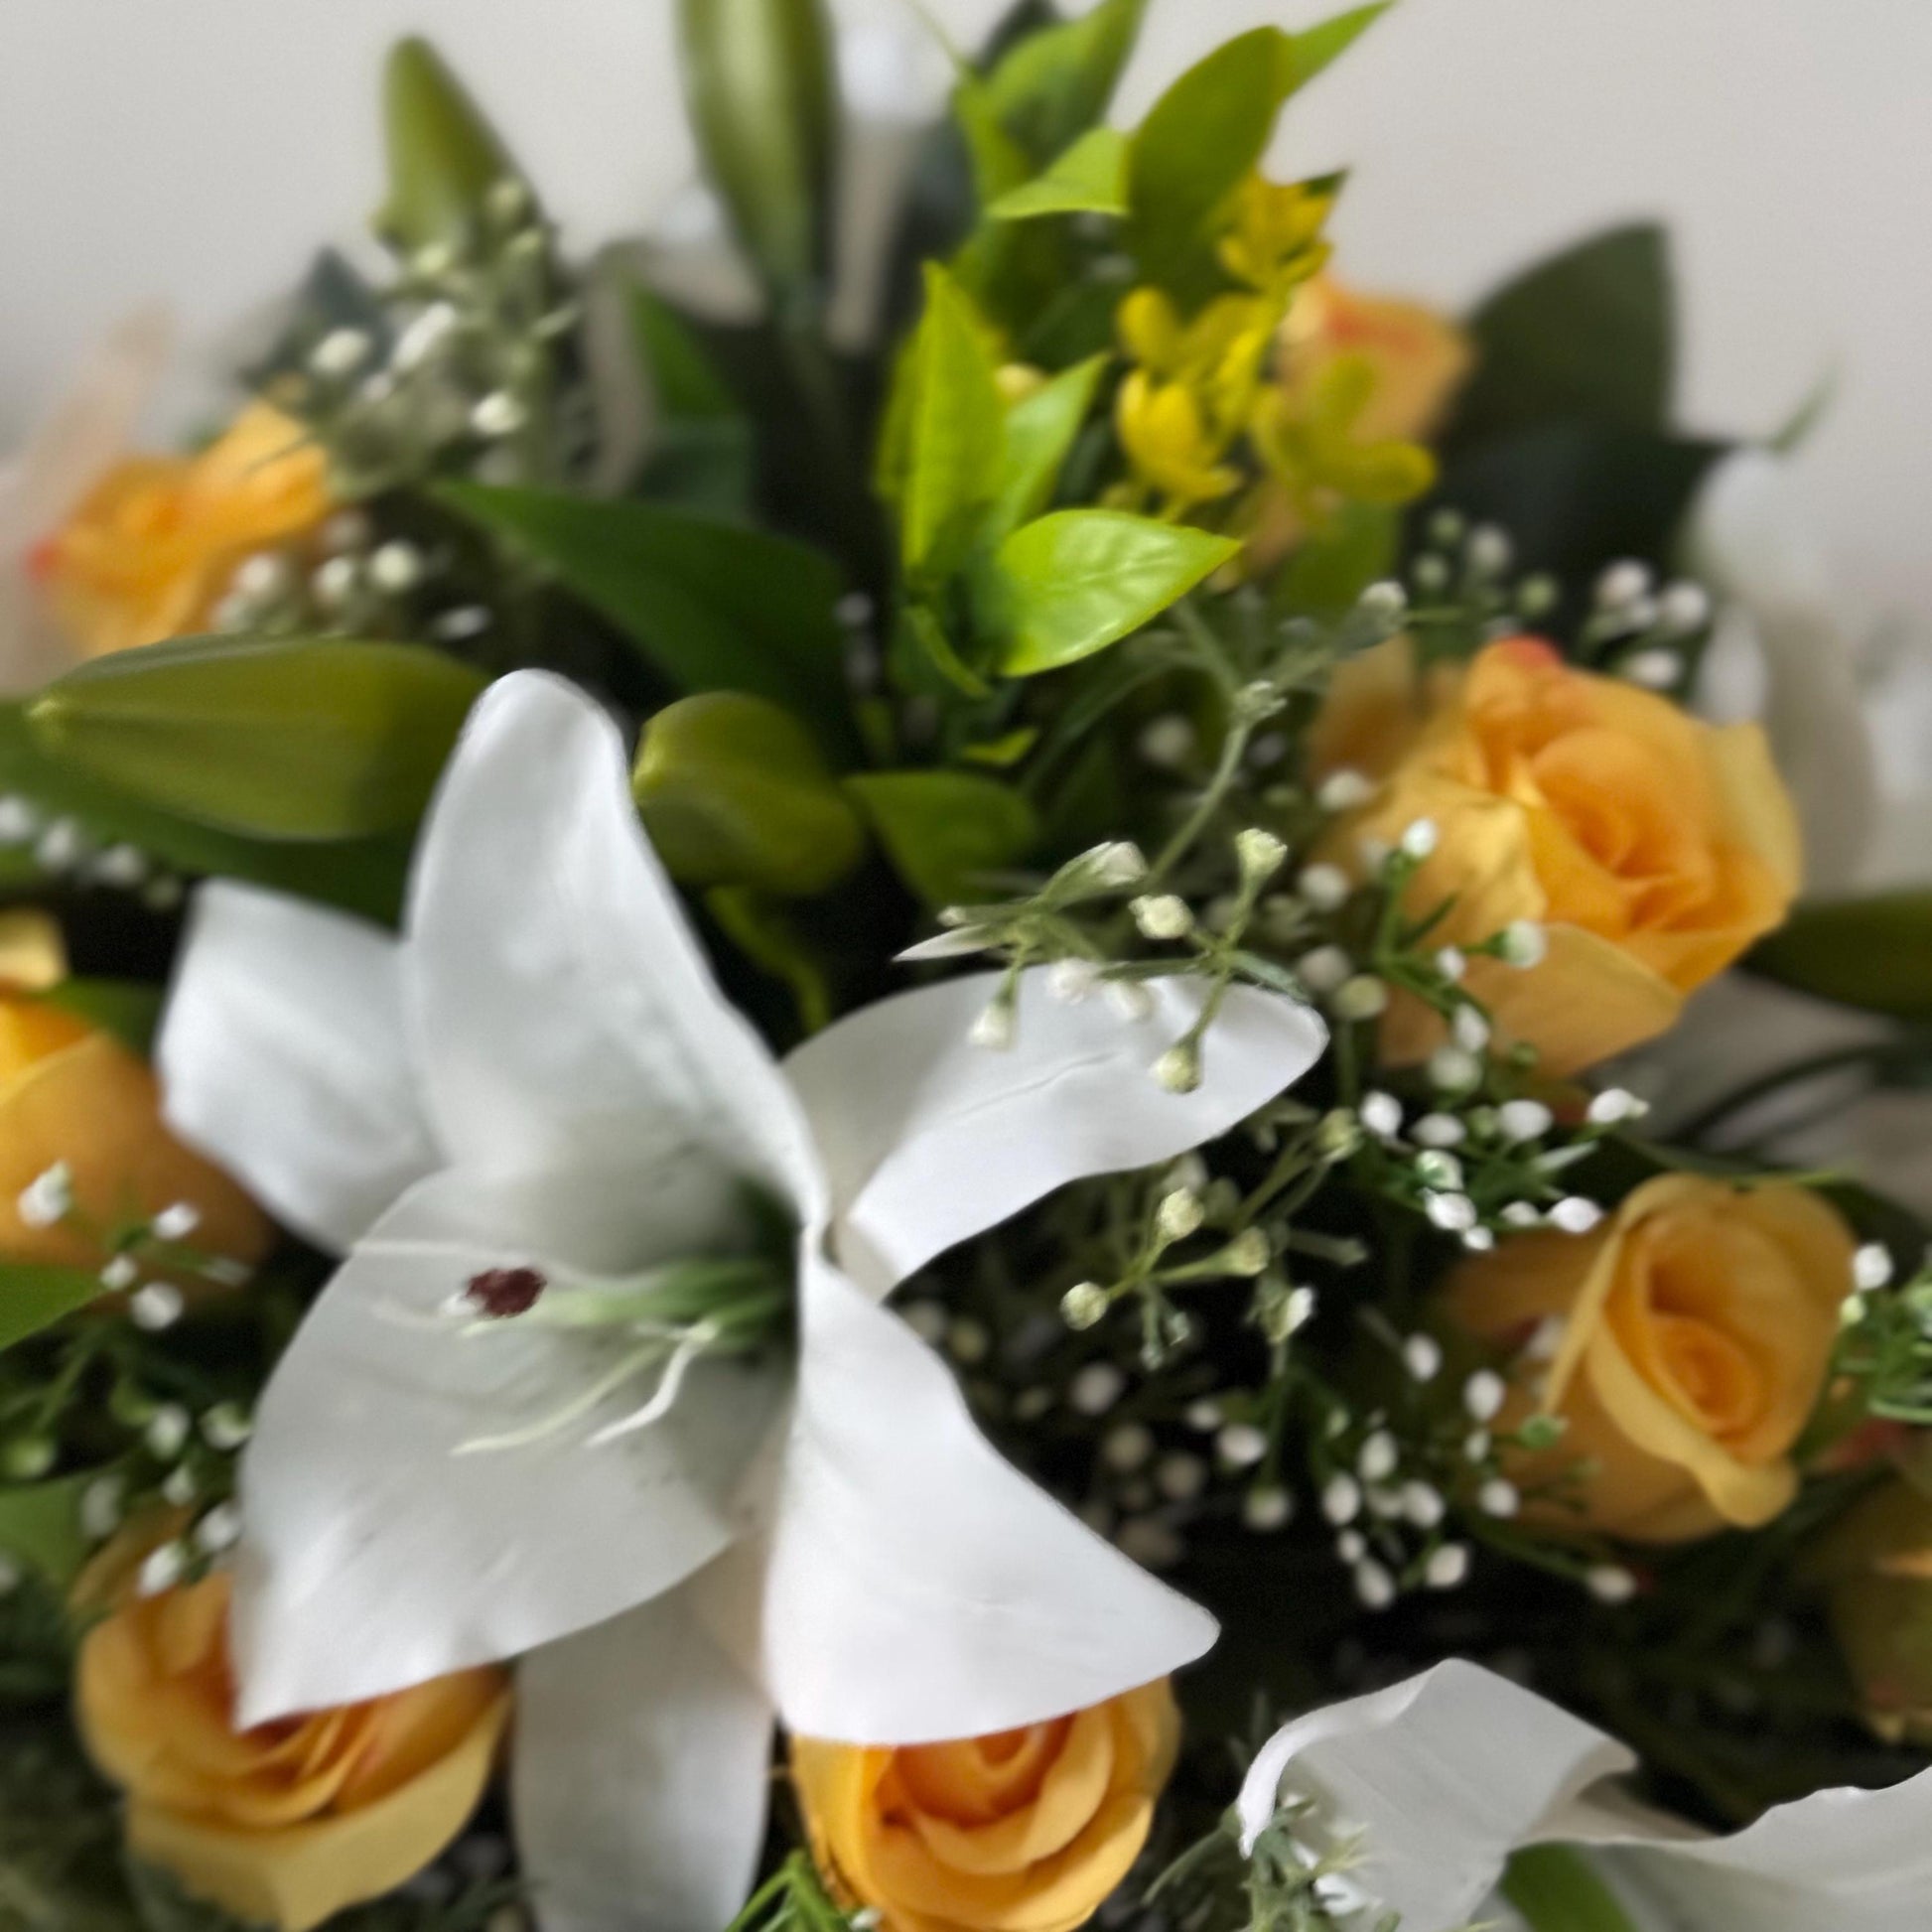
198	149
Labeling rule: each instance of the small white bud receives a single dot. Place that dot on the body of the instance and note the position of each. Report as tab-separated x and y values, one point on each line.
1351	1546
1478	1240
1613	1105
1378	1458
1422	1356
1422	1504
1485	1393
178	1486
459	626
1151	1542
1469	1030
154	1307
1611	1583
218	1530
1374	1587
498	414
165	1434
1381	1114
1168	742
1575	1215
1344	790
1498	1497
1181	1478
1451	962
1374	852
1489	551
1267	1508
396	567
1324	887
1126	1448
262	576
1684	609
163	1569
1872	1265
1519	1214
1524	1120
1523	944
1178	1068
122	868
1095	1389
1476	1446
341	352
101	1506
334	582
226	1427
1203	1414
1622	584
1083	1305
1362	998
1419	838
1248	1254
1324	970
1116	863
1453	1213
1259	852
1652	670
994	1027
1164	915
1453	1069
1070	979
64	847
1439	1131
1385	600
1546	1339
47	1199
1342	1500
20	820
176	1221
1241	1444
1131	1000
968	1342
1447	1568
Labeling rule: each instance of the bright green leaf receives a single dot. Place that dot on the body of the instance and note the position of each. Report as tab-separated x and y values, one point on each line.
272	738
1317	47
1586	337
34	1297
734	792
1872	953
129	1009
715	607
1556	1891
1071	583
444	155
945	831
1091	178
954	430
1053	84
1040	429
758	75
40	1525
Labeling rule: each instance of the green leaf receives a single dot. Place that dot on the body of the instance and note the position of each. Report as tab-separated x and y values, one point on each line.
1040	430
1091	178
702	449
715	607
1320	46
944	831
40	1523
273	738
1871	953
734	792
758	75
1053	84
362	875
444	155
129	1009
33	1296
1333	567
1072	583
1556	1891
953	430
1588	335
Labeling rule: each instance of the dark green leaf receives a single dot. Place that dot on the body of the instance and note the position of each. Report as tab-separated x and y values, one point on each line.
1556	1891
1091	178
944	831
1333	568
953	429
758	75
714	605
130	1010
702	449
274	738
33	1296
734	792
1072	583
40	1522
1040	430
1053	84
1586	337
444	156
362	875
1872	953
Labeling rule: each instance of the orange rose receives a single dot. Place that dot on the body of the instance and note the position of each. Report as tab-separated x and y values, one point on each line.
1026	1831
73	1097
289	1823
1652	848
152	548
1696	1328
1418	358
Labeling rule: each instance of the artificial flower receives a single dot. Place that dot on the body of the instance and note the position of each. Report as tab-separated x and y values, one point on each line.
1696	1330
153	548
288	1823
67	455
1650	847
1439	1778
1875	1566
1417	358
536	1094
77	1103
1025	1831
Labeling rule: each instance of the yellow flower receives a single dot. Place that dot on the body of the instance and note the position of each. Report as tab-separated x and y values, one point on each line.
1026	1831
1170	449
1417	358
1650	847
287	1824
152	548
72	1095
1875	1566
1697	1328
1275	239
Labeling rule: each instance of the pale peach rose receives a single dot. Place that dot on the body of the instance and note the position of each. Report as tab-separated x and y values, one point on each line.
1650	847
287	1824
1026	1831
1696	1328
1420	358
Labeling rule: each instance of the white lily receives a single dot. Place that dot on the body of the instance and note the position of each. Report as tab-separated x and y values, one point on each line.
1442	1777
542	1076
66	454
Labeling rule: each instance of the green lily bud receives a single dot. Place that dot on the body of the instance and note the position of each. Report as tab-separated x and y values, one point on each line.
277	738
444	156
734	792
1876	1567
758	75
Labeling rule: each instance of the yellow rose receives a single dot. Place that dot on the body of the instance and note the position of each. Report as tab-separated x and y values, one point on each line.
1652	848
1877	1568
152	548
1026	1831
72	1095
1697	1327
289	1823
1418	358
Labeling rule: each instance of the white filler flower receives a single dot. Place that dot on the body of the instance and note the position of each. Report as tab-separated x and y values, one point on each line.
533	1098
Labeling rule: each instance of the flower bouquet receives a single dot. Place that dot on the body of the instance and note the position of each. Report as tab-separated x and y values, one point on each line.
845	1077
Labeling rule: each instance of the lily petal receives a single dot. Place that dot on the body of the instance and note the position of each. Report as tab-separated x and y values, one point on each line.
639	1776
283	1056
929	1138
380	1550
562	1006
919	1586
